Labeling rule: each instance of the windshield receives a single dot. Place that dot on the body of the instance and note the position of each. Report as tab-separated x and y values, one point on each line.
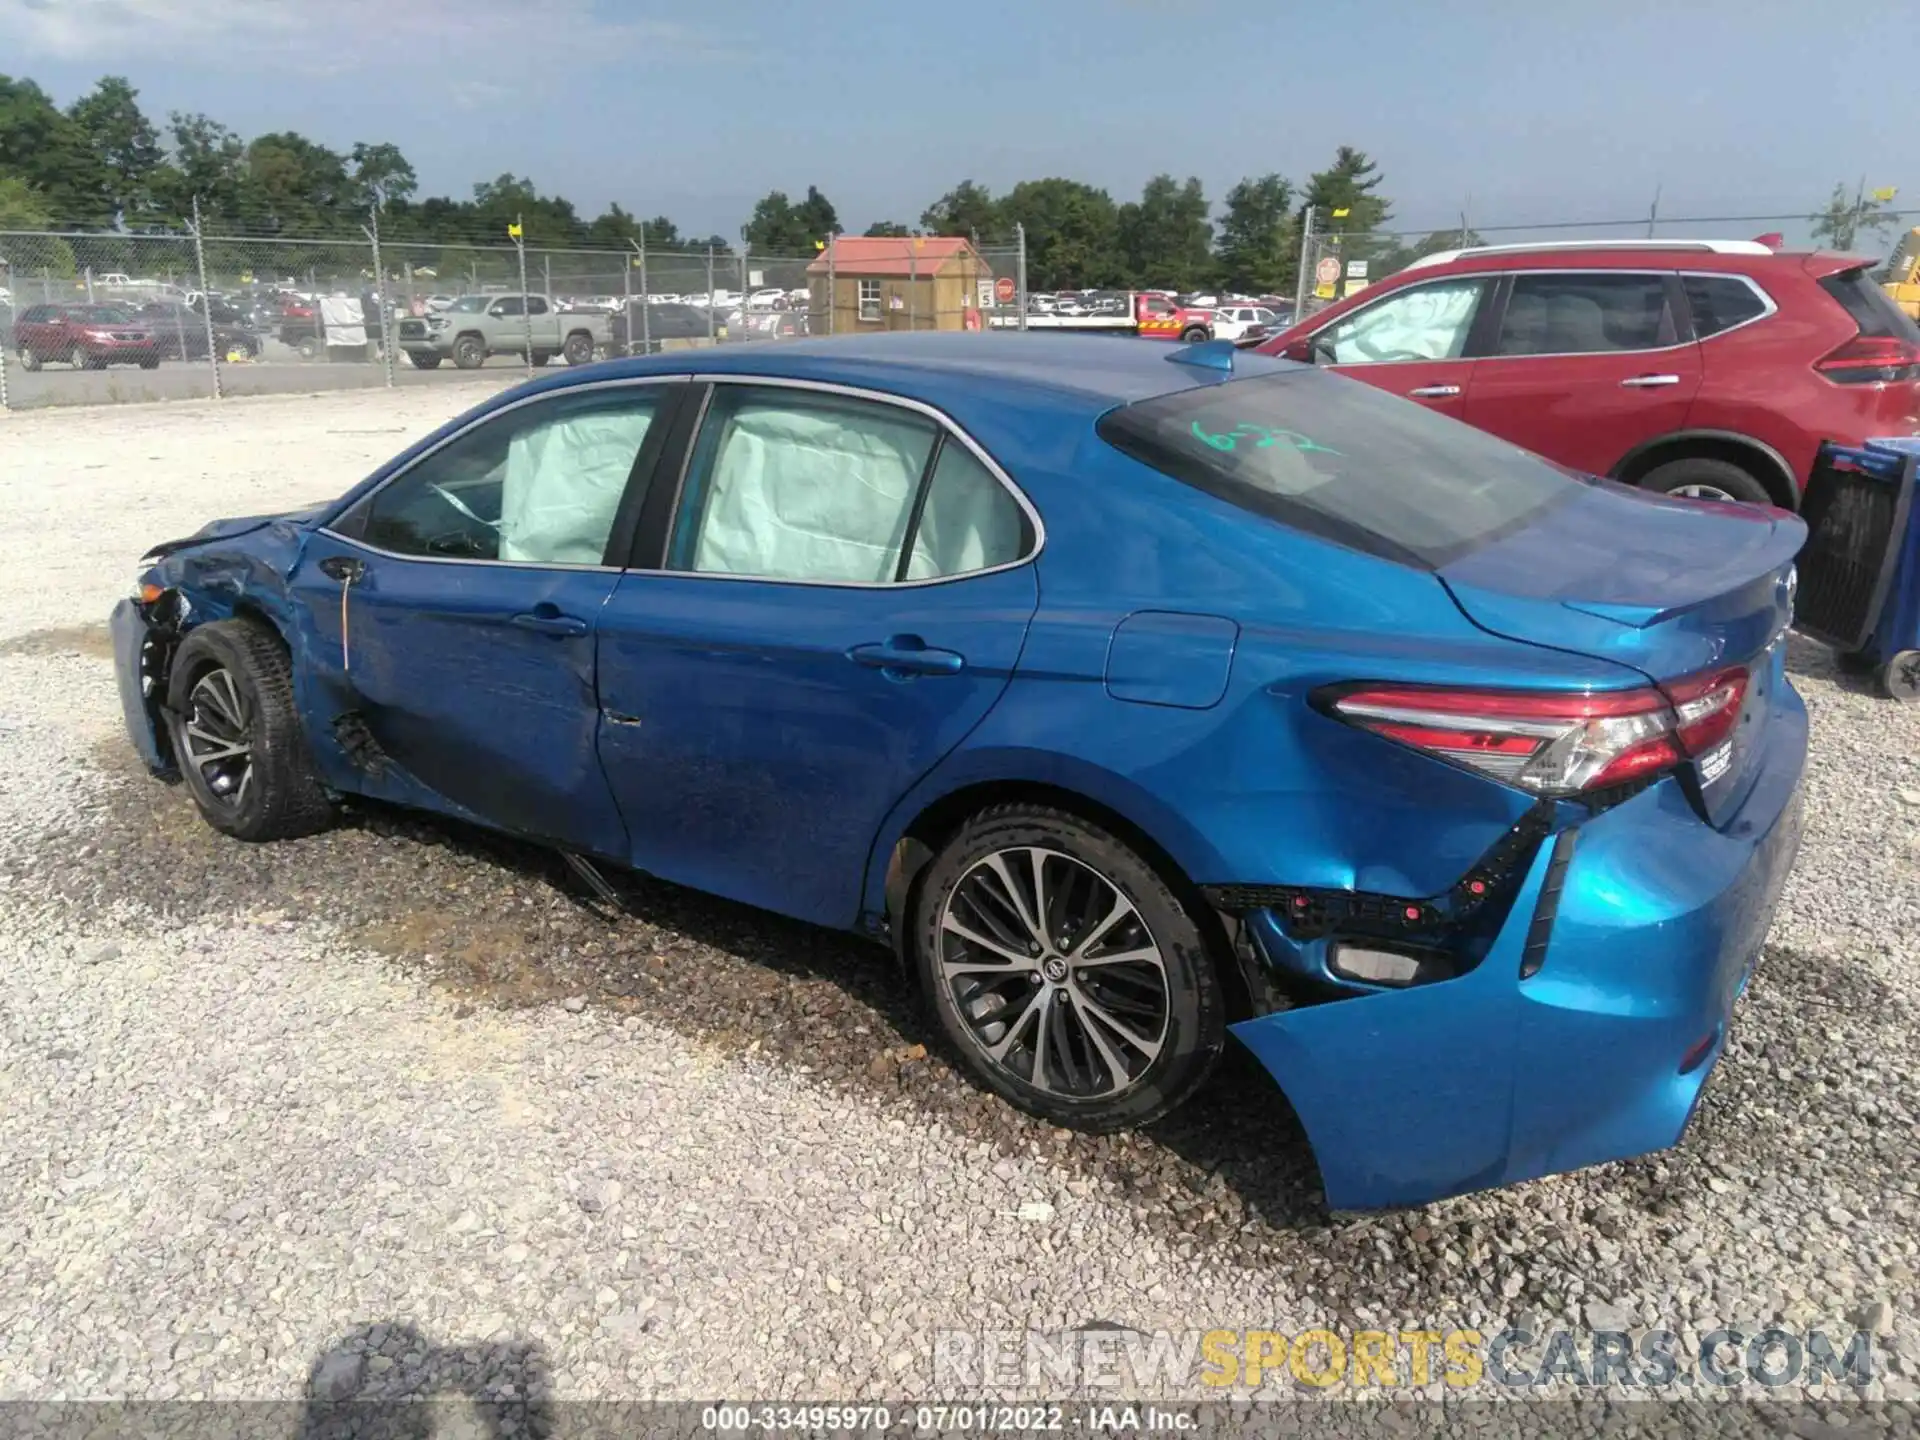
467	304
1343	460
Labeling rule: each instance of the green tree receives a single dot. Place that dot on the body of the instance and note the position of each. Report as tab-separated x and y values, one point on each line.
887	230
297	187
818	220
968	210
780	227
1073	233
1259	243
381	176
24	208
1348	184
1847	217
507	199
51	152
126	142
1165	238
207	160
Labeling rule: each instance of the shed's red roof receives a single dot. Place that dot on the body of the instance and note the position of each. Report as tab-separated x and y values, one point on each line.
891	255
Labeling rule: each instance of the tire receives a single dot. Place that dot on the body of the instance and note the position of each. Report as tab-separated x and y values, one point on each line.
469	352
150	362
1091	1077
1900	677
1705	476
272	792
79	359
29	358
424	360
309	347
578	349
1193	335
541	357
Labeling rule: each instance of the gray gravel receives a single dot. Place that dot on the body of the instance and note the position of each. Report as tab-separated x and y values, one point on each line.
396	1094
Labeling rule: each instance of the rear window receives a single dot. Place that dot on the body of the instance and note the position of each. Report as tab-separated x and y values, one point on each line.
1344	461
1720	302
1871	308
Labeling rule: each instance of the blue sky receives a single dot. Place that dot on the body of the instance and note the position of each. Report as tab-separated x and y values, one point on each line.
1525	113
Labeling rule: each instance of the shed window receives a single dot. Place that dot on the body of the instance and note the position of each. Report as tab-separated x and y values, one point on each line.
869	299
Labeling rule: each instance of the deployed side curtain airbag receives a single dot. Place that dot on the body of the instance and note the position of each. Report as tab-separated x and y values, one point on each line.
970	522
807	493
563	484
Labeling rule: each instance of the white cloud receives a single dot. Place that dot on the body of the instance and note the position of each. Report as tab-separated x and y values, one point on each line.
488	38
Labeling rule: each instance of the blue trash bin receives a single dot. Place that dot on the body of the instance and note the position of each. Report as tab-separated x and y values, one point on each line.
1860	568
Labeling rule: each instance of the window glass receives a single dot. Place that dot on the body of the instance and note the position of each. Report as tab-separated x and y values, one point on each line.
1720	302
1870	307
970	521
511	305
538	486
1585	314
797	485
536	306
1344	461
1425	322
869	299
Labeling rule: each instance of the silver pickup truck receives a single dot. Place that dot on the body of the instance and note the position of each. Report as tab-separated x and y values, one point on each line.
476	326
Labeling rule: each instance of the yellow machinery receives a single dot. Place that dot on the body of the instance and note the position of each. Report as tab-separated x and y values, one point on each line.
1902	275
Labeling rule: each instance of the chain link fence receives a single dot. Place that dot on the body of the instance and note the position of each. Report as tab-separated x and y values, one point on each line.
199	315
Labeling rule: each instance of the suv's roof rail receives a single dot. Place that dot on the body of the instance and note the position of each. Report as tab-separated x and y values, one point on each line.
1715	247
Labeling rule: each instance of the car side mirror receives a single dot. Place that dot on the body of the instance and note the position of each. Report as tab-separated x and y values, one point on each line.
1302	350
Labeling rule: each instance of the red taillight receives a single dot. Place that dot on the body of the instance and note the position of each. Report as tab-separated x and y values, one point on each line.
1555	743
1870	359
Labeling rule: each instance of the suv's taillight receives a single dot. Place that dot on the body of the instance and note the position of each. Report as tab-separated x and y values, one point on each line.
1870	359
1554	743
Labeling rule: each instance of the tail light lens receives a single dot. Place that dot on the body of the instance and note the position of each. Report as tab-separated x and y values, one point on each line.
1555	743
1869	360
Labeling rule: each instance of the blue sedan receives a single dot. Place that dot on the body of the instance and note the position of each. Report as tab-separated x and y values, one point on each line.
1135	696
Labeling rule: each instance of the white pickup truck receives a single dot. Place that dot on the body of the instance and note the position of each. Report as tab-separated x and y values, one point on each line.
476	326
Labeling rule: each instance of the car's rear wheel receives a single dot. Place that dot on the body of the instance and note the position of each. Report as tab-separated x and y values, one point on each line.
237	737
424	360
1706	479
541	357
149	362
579	348
29	358
309	347
1066	973
469	352
1900	676
1193	335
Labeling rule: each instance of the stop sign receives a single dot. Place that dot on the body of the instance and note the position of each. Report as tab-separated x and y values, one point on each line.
1327	271
1003	290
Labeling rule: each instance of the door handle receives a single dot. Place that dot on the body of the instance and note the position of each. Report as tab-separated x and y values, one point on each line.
545	620
907	655
1435	392
1648	382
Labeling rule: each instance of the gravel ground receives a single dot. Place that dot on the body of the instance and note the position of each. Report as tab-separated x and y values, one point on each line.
397	1089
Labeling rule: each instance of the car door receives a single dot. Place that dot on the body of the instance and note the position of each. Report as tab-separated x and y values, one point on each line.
544	322
447	619
1585	365
1416	341
838	597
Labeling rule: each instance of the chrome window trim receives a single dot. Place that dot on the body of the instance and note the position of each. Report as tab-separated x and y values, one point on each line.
942	422
632	382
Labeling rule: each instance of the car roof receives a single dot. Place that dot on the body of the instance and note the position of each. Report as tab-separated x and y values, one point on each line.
1091	373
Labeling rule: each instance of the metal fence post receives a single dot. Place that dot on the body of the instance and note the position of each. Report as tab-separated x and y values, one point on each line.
710	294
833	285
646	298
626	305
5	404
1020	272
526	310
206	303
372	229
743	284
1306	266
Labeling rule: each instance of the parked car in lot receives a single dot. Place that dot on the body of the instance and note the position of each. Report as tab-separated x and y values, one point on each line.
180	333
476	326
87	337
1238	322
1458	786
630	333
1709	368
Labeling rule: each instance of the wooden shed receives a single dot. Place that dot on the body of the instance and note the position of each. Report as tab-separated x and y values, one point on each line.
919	282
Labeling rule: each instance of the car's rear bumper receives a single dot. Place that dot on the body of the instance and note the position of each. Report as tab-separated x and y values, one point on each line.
130	633
1408	1096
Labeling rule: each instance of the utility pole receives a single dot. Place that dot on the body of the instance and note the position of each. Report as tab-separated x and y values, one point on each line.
1653	211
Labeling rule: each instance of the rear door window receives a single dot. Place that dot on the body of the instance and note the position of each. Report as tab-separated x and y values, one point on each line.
1344	461
1720	302
1586	314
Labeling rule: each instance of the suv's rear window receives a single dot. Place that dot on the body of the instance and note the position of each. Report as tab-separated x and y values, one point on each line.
1343	460
1870	306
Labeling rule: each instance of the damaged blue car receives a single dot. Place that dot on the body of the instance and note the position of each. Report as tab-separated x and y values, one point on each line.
1136	698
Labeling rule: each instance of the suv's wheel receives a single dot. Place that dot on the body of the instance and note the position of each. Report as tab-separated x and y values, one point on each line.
29	358
237	737
308	348
541	357
1705	479
469	352
1066	973
579	348
424	359
1194	334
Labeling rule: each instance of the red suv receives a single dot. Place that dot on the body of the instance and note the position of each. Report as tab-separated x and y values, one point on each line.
1711	368
87	337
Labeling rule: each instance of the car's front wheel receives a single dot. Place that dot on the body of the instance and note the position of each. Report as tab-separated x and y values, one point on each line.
1704	478
424	359
29	358
1068	975
469	352
237	736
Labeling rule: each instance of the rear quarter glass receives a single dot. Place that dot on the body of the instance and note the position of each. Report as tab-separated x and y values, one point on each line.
1340	459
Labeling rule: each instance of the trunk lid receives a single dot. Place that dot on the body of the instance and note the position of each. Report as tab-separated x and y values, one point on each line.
1670	587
